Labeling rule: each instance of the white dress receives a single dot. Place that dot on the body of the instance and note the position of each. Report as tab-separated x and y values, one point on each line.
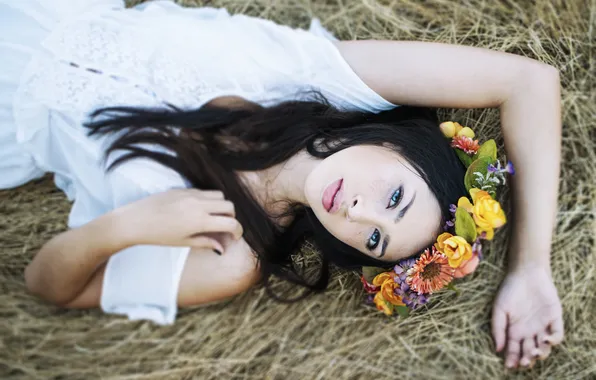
62	59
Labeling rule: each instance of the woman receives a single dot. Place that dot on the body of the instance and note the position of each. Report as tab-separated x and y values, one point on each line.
232	111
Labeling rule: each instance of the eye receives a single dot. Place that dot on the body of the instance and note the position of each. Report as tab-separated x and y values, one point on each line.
373	240
396	197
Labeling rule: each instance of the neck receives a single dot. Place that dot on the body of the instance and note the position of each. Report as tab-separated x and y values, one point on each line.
279	186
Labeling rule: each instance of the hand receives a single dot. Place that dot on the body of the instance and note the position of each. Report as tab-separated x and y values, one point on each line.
180	217
527	317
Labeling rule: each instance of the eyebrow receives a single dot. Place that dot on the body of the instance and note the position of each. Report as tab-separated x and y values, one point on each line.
399	216
403	211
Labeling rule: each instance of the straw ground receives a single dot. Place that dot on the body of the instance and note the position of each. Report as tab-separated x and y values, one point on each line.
333	336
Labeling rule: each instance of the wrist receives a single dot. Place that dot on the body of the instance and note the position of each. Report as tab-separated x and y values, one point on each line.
117	229
524	254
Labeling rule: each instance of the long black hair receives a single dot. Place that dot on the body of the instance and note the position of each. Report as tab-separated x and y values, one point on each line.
207	146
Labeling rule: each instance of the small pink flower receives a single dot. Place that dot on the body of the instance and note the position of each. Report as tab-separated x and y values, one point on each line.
467	267
466	144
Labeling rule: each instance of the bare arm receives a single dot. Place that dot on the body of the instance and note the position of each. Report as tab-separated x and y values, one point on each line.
69	269
65	264
527	94
206	277
527	314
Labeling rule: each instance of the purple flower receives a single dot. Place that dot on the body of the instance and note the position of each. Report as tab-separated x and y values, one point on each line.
404	287
509	168
477	248
414	300
448	225
452	209
498	169
410	298
401	269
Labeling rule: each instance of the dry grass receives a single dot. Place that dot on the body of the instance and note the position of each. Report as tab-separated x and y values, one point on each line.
332	336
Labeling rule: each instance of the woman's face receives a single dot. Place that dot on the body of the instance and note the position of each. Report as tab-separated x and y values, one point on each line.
370	198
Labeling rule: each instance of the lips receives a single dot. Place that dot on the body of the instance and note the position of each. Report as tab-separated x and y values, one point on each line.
332	196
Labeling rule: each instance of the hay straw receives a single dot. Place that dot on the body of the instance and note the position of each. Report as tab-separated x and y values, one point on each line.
333	336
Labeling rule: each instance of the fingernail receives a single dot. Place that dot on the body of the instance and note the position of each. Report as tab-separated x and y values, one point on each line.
217	251
536	353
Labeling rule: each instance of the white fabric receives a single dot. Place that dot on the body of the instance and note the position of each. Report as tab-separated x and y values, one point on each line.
62	59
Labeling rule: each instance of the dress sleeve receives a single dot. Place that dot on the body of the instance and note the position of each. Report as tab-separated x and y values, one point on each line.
142	281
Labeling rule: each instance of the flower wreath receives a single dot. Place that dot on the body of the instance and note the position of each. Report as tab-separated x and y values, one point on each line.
458	250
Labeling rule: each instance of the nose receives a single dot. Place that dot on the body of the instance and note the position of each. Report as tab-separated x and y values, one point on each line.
358	213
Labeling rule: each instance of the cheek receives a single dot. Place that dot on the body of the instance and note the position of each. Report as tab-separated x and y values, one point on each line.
312	193
350	233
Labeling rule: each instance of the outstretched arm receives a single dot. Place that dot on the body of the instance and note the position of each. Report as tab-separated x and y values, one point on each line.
527	93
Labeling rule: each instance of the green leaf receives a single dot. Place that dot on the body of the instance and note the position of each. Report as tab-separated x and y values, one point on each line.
371	272
478	166
464	225
463	157
488	149
402	311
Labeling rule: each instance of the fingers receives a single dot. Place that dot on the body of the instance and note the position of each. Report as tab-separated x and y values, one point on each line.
200	194
556	332
211	194
499	329
206	242
544	348
220	208
225	224
513	353
213	202
524	351
529	352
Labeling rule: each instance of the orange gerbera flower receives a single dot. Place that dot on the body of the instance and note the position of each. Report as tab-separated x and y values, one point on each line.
466	144
430	273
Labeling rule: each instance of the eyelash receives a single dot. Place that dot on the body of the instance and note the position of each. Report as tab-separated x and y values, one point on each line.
375	244
400	190
376	233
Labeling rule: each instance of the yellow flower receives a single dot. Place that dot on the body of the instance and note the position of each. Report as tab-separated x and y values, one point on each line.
451	129
465	203
457	250
382	277
448	128
487	213
388	292
465	131
387	283
440	244
382	304
386	298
